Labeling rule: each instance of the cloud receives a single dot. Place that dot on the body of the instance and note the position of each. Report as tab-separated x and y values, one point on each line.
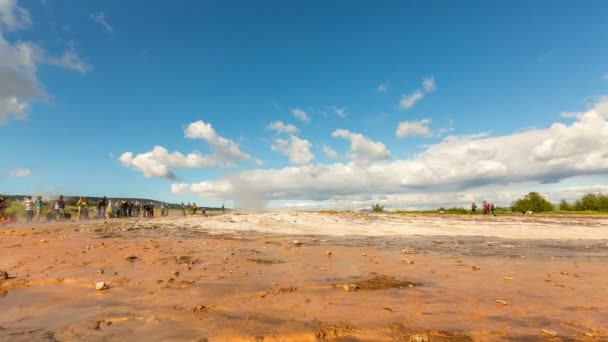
408	101
20	172
298	150
100	18
428	84
300	115
606	76
413	128
158	162
458	166
362	148
330	153
341	112
19	63
280	127
382	87
13	17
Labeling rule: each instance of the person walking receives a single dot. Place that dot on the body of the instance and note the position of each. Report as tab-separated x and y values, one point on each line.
183	207
101	207
223	208
60	208
29	208
83	208
39	205
3	205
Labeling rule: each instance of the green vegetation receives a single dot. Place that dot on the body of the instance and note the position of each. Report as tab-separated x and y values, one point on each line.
532	201
377	208
589	202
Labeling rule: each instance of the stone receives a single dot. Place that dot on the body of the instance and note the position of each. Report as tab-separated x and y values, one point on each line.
476	268
589	334
548	332
350	287
328	253
408	261
502	302
100	271
175	273
563	273
3	275
419	338
130	257
297	243
101	286
509	278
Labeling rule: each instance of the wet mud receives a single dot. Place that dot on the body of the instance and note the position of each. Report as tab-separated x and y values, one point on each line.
188	281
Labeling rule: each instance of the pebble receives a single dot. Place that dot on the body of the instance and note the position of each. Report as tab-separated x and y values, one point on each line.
101	286
350	287
509	278
130	257
100	271
297	243
175	273
328	253
547	332
502	302
3	275
419	338
408	261
476	268
563	273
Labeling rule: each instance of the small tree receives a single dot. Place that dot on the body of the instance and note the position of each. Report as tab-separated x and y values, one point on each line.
377	208
565	206
532	201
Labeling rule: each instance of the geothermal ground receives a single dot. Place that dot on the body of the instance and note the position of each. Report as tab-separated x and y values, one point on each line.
304	276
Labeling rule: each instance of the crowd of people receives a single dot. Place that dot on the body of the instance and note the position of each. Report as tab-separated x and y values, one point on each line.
105	208
488	208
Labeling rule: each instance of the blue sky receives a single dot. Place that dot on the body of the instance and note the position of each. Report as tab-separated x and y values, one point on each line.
109	77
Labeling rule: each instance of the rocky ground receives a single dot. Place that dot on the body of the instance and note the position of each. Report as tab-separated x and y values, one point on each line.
306	277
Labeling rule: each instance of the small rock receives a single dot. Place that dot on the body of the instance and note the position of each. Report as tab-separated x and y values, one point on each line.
547	280
419	338
522	257
328	253
408	261
589	334
547	332
175	273
130	257
297	243
100	271
476	268
563	273
508	278
502	302
101	286
363	254
43	240
3	275
350	287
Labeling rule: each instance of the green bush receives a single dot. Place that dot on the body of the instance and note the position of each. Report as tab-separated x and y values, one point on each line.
532	201
565	206
593	202
377	208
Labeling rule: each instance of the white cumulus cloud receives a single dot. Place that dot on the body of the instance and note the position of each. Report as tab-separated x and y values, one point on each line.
382	87
362	148
413	128
453	170
296	149
280	127
158	162
19	63
409	100
300	115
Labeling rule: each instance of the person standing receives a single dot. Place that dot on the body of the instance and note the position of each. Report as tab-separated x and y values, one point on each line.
473	208
101	207
60	206
183	207
223	209
3	206
194	208
38	207
29	208
492	208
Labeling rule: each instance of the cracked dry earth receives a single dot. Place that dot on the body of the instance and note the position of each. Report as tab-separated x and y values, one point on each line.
193	279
